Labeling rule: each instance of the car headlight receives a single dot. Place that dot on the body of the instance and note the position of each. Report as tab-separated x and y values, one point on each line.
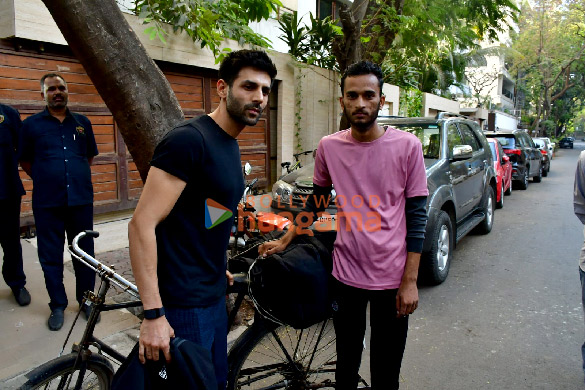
281	191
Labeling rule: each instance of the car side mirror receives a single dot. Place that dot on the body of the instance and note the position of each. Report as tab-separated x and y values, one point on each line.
462	152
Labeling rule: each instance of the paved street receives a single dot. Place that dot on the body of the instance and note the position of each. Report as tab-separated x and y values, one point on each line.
509	315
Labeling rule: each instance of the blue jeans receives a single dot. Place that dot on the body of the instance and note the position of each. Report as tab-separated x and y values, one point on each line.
206	326
582	277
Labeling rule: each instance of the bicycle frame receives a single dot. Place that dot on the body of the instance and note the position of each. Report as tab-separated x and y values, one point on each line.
107	276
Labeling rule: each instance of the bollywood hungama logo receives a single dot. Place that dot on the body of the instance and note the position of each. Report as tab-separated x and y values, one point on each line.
215	213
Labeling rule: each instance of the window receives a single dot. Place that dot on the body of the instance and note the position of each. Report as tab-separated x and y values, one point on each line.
507	142
469	138
453	138
428	136
327	8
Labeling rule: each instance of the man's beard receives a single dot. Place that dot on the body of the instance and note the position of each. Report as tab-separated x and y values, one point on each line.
56	105
361	126
238	110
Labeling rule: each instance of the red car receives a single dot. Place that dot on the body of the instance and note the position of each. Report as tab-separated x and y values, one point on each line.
503	168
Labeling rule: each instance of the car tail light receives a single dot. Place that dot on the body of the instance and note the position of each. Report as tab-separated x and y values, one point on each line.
544	152
513	151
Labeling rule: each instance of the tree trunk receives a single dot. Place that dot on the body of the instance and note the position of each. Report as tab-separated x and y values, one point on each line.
130	83
348	48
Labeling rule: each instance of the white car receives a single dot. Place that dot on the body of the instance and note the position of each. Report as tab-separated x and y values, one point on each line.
549	145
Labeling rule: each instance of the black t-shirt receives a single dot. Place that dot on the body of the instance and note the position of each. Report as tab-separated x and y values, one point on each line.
192	240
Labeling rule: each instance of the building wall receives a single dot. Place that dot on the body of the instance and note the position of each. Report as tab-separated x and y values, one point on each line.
433	104
392	93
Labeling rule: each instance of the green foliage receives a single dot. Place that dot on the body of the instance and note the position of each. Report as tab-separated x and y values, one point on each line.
424	44
299	108
207	22
548	57
310	45
410	102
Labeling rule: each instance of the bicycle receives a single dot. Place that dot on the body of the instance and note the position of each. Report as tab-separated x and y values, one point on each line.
266	356
287	164
83	368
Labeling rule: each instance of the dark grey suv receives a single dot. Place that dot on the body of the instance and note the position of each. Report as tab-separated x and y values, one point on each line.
460	177
526	158
461	181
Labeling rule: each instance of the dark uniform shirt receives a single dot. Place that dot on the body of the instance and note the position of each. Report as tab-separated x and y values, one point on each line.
59	155
192	240
10	143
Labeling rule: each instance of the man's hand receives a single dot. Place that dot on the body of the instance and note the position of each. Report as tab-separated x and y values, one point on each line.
406	299
155	336
271	247
230	277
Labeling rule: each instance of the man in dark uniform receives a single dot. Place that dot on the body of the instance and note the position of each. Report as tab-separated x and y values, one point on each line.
58	149
11	192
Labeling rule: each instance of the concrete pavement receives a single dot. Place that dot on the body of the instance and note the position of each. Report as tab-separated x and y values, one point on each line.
25	340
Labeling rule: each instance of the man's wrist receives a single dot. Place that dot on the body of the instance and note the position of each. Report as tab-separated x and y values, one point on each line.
153	314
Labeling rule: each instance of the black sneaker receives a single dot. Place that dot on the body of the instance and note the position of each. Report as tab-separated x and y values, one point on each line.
87	311
22	296
56	319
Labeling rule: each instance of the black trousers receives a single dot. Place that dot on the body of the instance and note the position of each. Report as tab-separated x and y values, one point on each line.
52	223
388	336
12	269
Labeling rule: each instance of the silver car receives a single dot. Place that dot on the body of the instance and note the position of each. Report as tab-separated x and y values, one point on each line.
550	147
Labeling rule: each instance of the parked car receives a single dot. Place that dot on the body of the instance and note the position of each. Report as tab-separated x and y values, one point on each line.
566	142
541	144
461	180
291	192
525	156
503	168
550	146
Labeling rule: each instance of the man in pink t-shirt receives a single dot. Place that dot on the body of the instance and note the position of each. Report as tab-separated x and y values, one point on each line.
380	180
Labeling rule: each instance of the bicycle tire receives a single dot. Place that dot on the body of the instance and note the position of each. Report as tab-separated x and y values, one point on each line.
98	375
258	361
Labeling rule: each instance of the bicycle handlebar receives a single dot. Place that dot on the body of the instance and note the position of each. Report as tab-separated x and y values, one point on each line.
296	155
101	269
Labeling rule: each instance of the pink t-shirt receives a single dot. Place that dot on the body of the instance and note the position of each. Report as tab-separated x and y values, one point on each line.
372	181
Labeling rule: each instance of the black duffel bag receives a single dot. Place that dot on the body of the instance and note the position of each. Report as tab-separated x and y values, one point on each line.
292	287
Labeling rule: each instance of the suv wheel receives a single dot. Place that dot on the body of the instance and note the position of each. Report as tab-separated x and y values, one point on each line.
523	182
500	204
538	178
437	260
488	209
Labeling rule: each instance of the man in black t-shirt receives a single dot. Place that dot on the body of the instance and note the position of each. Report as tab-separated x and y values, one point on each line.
180	230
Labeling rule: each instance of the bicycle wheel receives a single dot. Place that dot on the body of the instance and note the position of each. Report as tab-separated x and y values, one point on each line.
60	374
270	357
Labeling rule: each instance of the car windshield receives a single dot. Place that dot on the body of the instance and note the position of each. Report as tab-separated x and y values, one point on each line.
429	136
507	142
539	143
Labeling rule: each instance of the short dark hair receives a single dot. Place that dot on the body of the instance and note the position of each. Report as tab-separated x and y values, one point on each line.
363	68
49	76
236	60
